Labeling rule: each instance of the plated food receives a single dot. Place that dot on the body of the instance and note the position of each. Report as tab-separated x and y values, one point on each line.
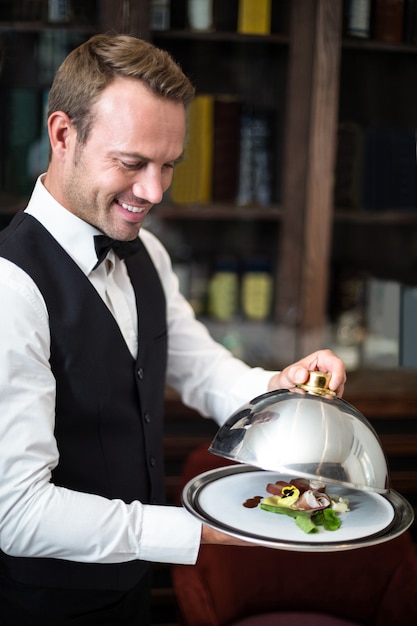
216	497
307	501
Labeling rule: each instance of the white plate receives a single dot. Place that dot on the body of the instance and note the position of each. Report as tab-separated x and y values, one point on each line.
217	499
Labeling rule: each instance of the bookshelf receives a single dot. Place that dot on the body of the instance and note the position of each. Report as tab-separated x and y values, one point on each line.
262	70
375	194
329	78
311	77
252	78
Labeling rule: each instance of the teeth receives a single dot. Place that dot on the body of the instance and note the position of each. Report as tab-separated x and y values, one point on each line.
132	209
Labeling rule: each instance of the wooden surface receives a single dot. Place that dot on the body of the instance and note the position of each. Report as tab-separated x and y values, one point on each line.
380	394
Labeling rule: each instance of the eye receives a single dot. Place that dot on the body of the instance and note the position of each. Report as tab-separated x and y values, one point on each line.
133	166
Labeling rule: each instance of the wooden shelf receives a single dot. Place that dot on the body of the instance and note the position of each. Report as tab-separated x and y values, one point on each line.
275	213
389	218
215	36
372	45
216	212
36	26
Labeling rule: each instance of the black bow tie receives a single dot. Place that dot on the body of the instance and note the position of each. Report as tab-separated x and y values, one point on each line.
103	244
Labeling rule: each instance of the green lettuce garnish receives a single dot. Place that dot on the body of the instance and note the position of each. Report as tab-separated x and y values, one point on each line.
307	521
327	518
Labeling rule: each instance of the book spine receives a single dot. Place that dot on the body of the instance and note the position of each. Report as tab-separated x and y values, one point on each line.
226	149
160	14
389	21
254	17
245	193
410	22
255	163
192	181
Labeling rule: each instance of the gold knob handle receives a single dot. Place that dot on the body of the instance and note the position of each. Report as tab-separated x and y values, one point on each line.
318	384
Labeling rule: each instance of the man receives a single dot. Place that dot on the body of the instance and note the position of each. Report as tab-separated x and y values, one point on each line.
81	401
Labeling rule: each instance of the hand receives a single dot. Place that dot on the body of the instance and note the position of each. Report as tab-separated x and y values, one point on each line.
297	374
215	537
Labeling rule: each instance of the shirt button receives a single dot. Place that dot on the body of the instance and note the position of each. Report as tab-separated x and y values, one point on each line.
140	373
147	417
152	461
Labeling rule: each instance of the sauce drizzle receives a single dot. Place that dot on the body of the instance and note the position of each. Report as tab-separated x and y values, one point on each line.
252	503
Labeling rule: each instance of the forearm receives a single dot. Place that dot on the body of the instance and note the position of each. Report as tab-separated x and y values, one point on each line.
215	537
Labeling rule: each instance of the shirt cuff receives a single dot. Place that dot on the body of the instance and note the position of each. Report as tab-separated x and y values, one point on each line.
169	535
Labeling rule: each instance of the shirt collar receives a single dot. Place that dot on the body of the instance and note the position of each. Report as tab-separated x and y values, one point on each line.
74	234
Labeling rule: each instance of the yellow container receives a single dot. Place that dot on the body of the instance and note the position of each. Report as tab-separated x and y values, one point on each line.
257	289
224	293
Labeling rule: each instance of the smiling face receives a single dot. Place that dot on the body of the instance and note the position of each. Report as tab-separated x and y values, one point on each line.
127	162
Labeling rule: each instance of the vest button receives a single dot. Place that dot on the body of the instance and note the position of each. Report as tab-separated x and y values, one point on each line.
152	461
147	417
140	373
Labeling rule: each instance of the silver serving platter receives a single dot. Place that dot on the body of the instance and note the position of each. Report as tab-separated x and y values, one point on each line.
216	499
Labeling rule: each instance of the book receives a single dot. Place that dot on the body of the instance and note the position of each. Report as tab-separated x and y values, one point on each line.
390	173
160	14
226	148
255	159
410	22
349	166
389	20
192	181
254	17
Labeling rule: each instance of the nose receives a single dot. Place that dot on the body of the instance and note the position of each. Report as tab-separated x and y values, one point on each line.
149	185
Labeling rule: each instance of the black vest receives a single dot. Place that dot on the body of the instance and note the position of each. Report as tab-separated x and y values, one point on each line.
109	408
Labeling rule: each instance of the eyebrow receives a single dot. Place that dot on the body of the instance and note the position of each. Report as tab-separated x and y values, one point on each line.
141	157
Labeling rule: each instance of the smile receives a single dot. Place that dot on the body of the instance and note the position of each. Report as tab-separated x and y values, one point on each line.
132	209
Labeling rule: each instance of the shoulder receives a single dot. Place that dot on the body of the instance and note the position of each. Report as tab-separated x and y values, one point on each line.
13	275
16	286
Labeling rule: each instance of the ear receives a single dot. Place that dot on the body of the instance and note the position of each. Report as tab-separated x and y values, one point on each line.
61	133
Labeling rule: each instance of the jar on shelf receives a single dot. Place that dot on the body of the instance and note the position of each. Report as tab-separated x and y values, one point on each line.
257	289
223	298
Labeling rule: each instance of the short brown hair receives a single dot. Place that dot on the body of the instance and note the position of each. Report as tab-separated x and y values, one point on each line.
90	67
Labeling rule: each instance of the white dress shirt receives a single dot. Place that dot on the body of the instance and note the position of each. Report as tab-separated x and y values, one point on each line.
38	519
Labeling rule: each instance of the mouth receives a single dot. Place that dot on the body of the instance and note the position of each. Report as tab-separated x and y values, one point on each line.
132	213
130	207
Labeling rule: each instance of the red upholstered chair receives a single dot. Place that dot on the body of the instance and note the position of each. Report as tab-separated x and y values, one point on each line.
236	586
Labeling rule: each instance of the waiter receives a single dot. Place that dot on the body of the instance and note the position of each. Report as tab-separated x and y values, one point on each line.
92	327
